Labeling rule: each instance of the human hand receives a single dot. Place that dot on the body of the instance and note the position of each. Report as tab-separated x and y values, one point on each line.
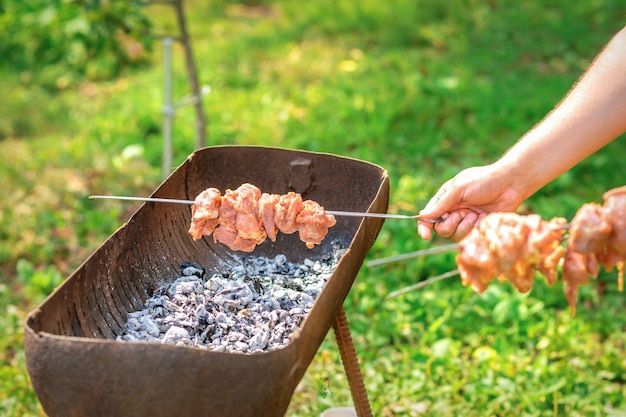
466	198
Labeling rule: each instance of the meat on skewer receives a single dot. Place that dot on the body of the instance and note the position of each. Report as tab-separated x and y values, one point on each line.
509	246
239	226
267	212
597	238
590	229
615	206
205	212
245	217
287	209
312	223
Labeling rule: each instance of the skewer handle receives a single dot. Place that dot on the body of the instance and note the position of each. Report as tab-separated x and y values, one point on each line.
381	215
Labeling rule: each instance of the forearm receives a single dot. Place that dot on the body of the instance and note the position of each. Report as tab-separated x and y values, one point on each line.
590	116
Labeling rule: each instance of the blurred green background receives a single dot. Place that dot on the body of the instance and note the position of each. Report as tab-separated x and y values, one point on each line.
423	88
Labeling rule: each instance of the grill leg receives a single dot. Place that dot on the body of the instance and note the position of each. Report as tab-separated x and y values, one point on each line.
351	365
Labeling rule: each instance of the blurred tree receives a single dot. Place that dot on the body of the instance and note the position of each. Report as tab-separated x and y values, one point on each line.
74	38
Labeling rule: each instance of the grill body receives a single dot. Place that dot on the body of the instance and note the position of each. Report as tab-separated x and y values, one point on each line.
78	369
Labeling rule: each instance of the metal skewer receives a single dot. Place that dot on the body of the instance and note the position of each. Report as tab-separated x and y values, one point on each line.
417	254
382	215
144	199
422	284
333	212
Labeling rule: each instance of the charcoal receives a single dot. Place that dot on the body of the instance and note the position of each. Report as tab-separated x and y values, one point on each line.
177	336
189	268
255	306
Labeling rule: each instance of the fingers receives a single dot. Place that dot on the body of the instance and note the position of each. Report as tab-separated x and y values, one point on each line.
438	205
457	225
424	230
434	208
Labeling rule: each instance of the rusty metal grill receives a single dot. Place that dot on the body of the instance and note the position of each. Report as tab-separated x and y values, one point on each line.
78	369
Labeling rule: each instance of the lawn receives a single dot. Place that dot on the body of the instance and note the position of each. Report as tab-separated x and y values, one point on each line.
423	88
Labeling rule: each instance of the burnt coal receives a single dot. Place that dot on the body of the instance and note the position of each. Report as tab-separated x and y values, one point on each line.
254	307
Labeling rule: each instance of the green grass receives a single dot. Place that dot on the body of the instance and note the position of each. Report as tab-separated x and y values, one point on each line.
423	88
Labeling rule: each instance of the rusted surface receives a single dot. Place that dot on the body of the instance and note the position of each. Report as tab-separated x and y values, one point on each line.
78	369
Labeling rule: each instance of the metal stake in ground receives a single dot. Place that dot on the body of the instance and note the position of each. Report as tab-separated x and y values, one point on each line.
351	365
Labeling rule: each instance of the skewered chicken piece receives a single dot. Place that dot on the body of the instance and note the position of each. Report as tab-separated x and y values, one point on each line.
509	246
205	212
597	238
615	206
245	217
239	226
312	223
286	212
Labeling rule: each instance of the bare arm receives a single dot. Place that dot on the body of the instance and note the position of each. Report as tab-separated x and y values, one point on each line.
591	115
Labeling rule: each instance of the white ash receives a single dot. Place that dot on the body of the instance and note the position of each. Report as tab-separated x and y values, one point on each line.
254	307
